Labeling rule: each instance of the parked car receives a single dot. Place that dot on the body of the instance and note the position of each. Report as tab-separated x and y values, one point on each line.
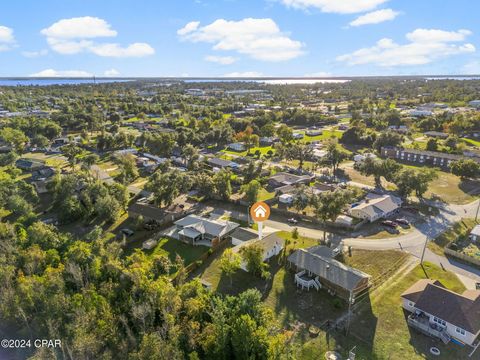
127	232
402	221
293	221
389	223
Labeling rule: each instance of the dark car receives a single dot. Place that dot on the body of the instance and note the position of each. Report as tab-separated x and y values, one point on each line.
127	232
402	221
390	223
293	221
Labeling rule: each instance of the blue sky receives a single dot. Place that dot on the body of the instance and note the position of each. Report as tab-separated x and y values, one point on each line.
239	37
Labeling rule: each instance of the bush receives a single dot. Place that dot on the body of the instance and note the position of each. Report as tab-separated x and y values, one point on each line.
337	303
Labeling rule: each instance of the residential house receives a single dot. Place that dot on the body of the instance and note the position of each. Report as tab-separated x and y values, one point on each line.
268	140
272	246
376	207
298	136
29	164
362	157
237	146
317	268
442	313
153	214
436	134
222	164
432	158
198	230
475	104
283	178
475	233
313	132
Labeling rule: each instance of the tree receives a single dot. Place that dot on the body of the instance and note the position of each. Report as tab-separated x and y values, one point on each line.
190	155
387	138
248	138
229	263
300	198
378	168
408	180
334	156
300	152
465	168
128	168
251	191
285	134
14	137
71	152
167	186
222	183
329	204
89	160
432	145
252	256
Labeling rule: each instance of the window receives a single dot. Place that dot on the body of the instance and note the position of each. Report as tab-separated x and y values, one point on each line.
460	331
439	321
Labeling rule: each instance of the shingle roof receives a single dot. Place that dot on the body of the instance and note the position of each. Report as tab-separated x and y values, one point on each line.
207	226
414	292
327	268
460	310
244	234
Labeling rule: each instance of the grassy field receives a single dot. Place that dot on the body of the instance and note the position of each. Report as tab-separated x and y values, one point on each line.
263	151
471	142
458	230
326	134
172	248
375	263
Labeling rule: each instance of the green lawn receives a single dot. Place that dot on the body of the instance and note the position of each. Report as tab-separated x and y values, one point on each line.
263	151
375	263
172	248
326	134
471	142
265	195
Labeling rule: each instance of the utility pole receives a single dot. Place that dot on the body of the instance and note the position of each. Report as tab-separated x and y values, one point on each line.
478	208
424	248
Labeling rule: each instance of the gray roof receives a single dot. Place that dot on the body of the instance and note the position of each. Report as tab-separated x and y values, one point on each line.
332	270
207	226
244	234
460	310
147	211
288	179
221	163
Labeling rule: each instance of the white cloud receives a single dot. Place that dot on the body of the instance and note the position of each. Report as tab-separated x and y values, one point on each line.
35	54
375	17
76	35
222	60
425	46
7	40
191	26
335	6
259	39
245	74
111	72
62	73
115	50
80	27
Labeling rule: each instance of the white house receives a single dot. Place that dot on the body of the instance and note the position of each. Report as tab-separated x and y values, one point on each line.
474	103
272	245
362	157
376	207
475	233
286	199
444	314
237	147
